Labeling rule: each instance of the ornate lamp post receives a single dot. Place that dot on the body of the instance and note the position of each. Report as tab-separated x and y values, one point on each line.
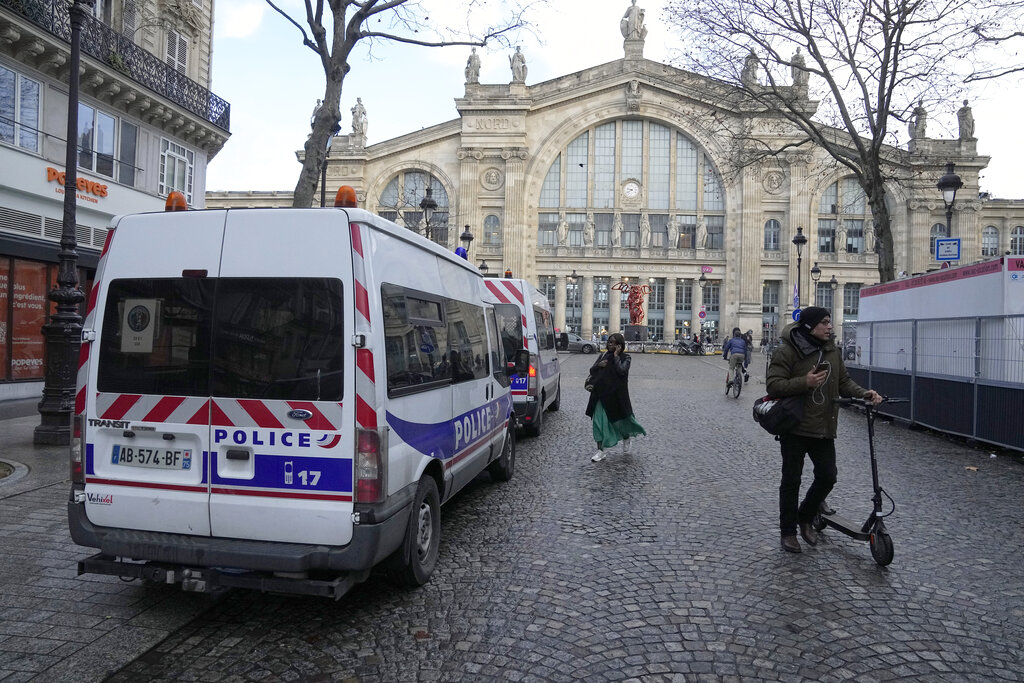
427	206
323	169
703	282
63	332
483	267
815	276
575	297
948	185
834	284
799	240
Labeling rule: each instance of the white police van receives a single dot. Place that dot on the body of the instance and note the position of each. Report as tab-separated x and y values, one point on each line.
526	323
281	399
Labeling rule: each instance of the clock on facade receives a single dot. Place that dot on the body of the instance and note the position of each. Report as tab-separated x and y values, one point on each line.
631	190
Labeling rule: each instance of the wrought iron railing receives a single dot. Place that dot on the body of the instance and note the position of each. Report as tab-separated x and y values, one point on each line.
106	45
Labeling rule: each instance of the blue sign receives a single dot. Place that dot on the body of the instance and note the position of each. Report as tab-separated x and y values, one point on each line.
947	249
796	315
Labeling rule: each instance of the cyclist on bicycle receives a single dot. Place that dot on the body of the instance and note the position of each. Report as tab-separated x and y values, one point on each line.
739	350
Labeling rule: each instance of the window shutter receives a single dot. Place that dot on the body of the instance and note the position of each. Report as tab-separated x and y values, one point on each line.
177	51
129	19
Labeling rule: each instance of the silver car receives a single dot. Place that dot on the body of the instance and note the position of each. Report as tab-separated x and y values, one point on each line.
578	344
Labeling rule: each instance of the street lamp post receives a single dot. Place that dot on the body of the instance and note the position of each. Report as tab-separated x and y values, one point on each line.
323	168
575	298
948	185
63	332
799	240
815	276
703	282
483	267
427	206
834	284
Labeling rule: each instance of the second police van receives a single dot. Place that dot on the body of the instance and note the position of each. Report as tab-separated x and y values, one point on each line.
281	399
527	323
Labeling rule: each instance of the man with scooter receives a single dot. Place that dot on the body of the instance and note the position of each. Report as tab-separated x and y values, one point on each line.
808	363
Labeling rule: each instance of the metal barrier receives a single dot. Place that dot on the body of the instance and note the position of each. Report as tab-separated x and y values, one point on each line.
963	376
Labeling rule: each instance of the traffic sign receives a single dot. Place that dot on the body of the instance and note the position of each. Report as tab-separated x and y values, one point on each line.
702	314
796	315
947	249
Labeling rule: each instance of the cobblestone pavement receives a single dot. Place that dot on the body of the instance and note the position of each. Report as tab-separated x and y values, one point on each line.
663	565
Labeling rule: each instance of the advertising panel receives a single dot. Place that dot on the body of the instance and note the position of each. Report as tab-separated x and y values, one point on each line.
5	284
28	309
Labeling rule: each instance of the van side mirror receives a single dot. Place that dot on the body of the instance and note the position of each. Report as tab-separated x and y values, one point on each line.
563	341
520	364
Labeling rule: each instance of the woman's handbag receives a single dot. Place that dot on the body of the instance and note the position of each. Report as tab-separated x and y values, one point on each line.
588	383
779	416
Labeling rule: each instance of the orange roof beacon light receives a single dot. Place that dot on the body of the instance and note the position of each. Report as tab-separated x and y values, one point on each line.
508	272
176	202
346	197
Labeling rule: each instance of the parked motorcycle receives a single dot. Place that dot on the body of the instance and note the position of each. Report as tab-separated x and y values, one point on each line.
688	347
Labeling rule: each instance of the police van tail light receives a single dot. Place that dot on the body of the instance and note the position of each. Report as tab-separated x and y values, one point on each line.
532	376
370	472
77	452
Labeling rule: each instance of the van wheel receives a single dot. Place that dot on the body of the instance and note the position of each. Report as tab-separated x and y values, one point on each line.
413	563
538	420
503	468
557	403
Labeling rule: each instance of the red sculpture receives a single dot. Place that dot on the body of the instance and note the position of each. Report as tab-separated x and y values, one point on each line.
634	300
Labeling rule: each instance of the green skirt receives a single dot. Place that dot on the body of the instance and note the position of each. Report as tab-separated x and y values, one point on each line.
608	433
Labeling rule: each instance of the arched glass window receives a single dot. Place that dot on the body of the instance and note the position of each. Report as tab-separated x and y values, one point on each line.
633	178
492	230
842	215
772	233
990	241
400	202
1017	241
938	233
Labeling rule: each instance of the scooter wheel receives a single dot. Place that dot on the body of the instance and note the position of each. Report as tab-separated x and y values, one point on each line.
881	548
818	523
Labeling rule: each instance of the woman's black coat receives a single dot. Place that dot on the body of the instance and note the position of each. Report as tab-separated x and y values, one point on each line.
611	386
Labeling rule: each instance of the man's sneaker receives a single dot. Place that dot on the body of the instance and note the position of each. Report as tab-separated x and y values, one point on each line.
746	377
598	457
625	446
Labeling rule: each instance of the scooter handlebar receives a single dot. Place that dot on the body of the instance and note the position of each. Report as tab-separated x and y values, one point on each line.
853	401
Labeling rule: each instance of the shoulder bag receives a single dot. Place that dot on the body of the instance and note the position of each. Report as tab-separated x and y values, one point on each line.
779	416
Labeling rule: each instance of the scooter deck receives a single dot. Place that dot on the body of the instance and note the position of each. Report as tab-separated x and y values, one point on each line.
847	526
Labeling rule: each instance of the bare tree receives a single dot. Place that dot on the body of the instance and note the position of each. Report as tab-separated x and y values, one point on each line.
869	63
335	30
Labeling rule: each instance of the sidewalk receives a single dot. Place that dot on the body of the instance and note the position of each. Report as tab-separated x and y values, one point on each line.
55	625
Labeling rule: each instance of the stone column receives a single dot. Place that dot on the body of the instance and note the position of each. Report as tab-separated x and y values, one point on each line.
587	303
520	234
560	302
800	216
614	308
696	296
670	308
745	262
469	189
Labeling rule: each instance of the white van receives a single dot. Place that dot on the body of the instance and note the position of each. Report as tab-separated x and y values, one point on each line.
281	399
526	323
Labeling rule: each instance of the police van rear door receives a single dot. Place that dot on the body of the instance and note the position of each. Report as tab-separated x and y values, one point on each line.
282	432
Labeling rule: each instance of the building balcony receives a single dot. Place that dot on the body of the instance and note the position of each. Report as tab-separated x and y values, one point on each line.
121	55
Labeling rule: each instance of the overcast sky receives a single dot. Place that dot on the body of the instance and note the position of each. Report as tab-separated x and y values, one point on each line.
273	82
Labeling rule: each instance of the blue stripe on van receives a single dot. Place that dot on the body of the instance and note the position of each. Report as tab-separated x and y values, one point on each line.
447	439
293	473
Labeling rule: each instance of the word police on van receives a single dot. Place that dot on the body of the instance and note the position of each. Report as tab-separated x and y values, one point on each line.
282	399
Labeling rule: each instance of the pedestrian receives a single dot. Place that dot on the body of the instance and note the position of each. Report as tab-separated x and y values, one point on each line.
609	408
808	363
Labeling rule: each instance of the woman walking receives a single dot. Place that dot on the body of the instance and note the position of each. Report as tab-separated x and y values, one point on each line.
610	409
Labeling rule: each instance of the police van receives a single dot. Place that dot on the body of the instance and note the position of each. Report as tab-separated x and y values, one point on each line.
526	323
281	399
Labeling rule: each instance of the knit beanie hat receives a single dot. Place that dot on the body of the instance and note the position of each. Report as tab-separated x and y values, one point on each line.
812	315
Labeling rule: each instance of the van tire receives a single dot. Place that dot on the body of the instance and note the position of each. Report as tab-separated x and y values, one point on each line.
504	466
557	403
537	425
413	563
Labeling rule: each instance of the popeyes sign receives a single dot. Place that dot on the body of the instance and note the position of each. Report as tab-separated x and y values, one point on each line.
87	189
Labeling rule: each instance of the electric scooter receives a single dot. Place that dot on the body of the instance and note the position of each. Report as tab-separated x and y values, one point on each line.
873	530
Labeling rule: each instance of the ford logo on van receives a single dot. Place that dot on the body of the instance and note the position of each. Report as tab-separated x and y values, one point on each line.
300	414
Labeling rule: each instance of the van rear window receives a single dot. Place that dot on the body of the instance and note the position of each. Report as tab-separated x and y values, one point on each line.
510	328
266	338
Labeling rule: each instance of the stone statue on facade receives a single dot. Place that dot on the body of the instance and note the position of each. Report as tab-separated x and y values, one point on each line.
632	24
799	67
673	234
918	122
840	237
518	63
633	95
702	234
316	111
588	231
473	67
359	120
966	119
563	230
645	230
751	65
617	230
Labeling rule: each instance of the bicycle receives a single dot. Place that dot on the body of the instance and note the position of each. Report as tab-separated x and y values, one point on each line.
736	383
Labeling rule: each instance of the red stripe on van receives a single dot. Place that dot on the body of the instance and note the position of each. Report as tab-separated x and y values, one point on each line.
261	414
366	416
201	417
496	291
163	409
362	301
120	406
280	494
217	416
364	361
318	421
145	485
357	239
516	292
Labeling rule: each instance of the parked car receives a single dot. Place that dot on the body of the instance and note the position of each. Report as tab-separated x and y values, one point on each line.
578	344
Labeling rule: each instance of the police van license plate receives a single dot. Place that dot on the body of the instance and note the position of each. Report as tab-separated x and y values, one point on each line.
160	458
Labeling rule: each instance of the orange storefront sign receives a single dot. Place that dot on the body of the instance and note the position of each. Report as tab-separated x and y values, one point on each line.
89	187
